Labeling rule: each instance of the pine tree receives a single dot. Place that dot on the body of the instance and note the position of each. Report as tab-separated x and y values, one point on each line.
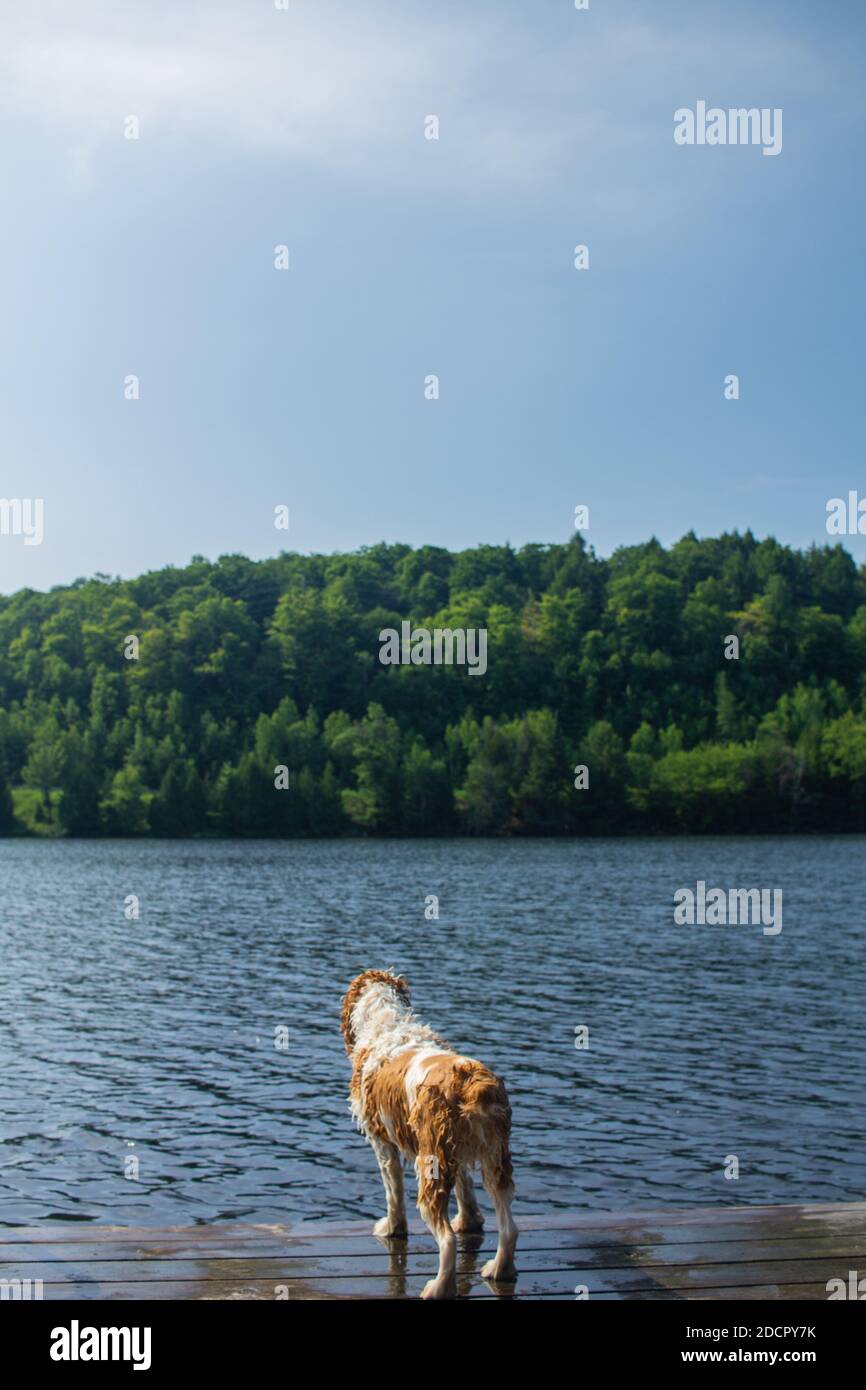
7	814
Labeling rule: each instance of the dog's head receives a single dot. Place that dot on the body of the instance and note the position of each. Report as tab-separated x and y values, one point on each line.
356	989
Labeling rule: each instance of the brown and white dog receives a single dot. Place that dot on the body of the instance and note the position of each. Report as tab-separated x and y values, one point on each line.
415	1099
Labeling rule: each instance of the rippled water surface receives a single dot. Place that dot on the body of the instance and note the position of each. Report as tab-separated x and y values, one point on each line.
154	1039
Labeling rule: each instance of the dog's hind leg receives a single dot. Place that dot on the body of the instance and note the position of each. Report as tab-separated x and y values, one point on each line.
393	1223
496	1172
434	1193
469	1217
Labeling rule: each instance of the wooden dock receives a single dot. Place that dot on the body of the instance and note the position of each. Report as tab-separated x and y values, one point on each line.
757	1252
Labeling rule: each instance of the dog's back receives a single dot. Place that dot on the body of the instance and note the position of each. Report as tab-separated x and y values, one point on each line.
435	1105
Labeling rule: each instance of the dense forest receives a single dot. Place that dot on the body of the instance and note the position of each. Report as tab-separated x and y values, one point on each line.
617	665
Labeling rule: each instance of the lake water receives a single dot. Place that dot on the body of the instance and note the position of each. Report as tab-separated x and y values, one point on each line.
155	1038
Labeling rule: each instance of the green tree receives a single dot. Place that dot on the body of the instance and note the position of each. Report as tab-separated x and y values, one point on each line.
616	662
484	800
44	767
7	814
374	803
124	808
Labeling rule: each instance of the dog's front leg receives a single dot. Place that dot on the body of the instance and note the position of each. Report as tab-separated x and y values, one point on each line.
391	1167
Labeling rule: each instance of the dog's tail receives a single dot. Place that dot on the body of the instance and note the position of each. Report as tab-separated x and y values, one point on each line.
480	1089
486	1111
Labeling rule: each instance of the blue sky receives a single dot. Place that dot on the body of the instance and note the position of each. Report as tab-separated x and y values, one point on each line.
411	257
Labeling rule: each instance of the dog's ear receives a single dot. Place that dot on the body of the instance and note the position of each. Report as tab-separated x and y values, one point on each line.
349	1000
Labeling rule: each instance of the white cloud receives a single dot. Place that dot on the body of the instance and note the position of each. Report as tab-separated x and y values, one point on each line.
322	86
346	86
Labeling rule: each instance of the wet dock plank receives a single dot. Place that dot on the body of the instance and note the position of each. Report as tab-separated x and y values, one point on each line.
758	1252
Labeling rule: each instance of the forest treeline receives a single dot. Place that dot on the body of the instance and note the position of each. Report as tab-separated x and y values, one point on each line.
614	664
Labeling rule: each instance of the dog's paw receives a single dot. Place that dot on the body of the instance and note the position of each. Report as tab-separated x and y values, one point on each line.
436	1288
499	1273
386	1228
467	1224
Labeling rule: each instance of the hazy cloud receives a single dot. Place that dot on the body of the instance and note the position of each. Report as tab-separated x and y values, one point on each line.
347	88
